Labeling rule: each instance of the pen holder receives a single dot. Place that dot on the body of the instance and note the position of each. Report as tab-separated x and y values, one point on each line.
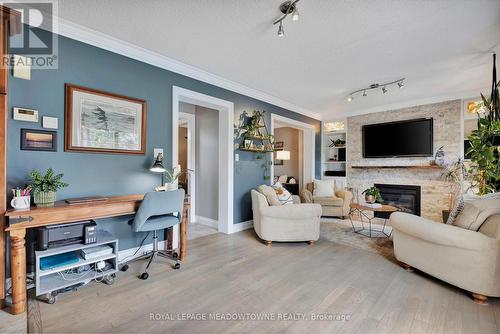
21	202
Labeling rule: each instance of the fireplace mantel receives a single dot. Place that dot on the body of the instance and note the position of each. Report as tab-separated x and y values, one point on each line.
398	166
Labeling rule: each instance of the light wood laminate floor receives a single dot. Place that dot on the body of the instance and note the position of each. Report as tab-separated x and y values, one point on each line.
238	274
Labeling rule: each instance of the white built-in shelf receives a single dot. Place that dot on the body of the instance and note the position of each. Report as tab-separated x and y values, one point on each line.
334	162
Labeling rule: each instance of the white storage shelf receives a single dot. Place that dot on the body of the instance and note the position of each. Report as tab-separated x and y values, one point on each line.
49	280
328	152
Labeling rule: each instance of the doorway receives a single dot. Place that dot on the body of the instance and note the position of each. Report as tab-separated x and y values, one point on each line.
223	190
298	139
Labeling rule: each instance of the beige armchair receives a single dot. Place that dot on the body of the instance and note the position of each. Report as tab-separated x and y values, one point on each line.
462	257
291	222
337	206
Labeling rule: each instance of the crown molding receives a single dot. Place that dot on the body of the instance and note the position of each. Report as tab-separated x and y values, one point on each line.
89	36
416	102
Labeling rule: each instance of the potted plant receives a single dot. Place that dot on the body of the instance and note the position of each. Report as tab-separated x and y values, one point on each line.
45	186
454	174
372	195
172	178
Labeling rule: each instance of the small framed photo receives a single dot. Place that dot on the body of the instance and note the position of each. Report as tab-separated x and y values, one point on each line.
38	140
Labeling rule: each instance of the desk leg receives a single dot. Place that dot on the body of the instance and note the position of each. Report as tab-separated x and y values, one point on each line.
18	271
182	245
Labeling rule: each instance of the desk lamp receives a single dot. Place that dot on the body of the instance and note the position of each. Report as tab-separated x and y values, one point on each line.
158	166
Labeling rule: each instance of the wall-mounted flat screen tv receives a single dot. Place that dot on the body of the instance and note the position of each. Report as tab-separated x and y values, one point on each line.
411	138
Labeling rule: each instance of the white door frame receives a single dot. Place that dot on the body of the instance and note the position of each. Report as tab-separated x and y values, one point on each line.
226	162
309	146
191	159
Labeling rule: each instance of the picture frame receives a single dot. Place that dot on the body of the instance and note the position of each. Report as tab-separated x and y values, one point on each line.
101	122
38	140
279	146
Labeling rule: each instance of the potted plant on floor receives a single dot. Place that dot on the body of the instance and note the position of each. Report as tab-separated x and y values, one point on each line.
485	143
372	195
455	174
46	186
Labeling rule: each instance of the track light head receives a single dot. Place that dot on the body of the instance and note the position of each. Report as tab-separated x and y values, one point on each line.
384	90
364	93
295	14
401	84
281	31
350	98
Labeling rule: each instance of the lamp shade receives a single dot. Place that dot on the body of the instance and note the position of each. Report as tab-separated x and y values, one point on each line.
282	155
158	164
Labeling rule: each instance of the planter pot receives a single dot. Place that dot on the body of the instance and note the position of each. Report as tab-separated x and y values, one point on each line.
44	198
446	214
171	186
370	199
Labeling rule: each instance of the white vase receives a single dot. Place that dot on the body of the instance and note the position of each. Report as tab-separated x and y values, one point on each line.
171	186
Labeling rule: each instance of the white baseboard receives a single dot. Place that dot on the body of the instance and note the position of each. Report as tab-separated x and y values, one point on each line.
207	221
128	254
242	226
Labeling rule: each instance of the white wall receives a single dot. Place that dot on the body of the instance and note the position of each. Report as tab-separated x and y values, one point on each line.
207	162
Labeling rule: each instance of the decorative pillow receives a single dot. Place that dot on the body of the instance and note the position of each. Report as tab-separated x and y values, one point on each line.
474	212
282	178
283	195
270	193
324	188
459	205
467	216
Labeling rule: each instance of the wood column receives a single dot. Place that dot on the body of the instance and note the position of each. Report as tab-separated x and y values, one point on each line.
18	270
183	232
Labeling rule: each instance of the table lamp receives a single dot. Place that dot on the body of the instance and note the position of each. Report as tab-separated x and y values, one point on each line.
158	166
282	155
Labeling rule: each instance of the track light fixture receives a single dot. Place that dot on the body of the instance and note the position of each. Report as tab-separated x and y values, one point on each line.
287	8
400	83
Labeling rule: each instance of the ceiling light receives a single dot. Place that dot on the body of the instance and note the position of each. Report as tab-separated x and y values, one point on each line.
385	88
288	7
281	31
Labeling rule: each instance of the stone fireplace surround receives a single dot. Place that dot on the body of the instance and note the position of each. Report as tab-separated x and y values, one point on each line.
447	133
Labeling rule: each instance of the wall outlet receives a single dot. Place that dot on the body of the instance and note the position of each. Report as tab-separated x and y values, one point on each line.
156	151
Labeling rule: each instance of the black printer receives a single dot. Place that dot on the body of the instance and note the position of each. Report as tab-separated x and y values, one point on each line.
83	232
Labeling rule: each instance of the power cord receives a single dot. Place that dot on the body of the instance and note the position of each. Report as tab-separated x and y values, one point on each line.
137	251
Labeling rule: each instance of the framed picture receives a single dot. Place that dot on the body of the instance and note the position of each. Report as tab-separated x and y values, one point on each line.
38	140
101	122
278	146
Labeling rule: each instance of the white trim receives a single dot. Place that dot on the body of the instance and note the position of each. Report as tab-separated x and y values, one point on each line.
309	146
191	160
92	37
412	103
226	161
207	221
243	226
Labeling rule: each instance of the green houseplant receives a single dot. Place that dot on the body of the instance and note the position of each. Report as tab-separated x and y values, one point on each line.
172	178
485	143
372	195
45	186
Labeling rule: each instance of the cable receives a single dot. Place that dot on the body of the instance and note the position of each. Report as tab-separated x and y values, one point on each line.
135	253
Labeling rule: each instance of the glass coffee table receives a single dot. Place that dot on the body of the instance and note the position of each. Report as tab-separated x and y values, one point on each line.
363	211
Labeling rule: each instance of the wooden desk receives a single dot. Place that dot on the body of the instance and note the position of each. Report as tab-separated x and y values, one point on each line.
20	220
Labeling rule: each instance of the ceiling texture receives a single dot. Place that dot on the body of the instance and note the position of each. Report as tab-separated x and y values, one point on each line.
442	47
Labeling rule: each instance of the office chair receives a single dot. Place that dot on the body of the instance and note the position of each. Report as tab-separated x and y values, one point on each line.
156	213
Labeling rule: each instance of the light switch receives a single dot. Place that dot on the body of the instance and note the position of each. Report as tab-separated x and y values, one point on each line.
236	157
156	151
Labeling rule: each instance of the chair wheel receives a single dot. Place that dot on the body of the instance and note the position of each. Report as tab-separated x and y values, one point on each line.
144	276
175	255
51	299
124	267
177	266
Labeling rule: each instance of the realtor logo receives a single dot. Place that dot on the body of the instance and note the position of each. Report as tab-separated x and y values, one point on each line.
36	45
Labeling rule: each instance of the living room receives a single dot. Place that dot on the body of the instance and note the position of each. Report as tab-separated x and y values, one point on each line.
251	167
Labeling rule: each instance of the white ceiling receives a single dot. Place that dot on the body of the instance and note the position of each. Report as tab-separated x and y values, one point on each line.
440	46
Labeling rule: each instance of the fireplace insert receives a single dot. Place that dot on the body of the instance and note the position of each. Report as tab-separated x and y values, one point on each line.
404	197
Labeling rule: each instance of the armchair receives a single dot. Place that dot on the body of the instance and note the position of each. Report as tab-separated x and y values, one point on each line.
461	257
337	206
291	222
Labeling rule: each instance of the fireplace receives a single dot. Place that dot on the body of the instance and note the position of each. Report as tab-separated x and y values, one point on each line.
405	198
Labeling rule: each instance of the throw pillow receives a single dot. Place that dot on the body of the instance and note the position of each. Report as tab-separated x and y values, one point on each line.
270	193
324	188
467	216
282	178
475	211
459	205
283	195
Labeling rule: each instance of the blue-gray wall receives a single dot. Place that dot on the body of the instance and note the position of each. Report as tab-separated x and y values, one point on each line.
106	174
